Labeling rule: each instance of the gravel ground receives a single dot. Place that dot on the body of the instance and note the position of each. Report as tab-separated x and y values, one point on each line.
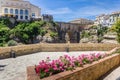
15	68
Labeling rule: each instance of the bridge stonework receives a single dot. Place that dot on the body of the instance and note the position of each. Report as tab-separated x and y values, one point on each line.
73	29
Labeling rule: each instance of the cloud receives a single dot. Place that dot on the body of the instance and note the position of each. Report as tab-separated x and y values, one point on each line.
57	11
91	11
66	10
79	0
83	12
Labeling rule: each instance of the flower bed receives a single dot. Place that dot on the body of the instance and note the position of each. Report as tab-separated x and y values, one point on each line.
97	68
65	63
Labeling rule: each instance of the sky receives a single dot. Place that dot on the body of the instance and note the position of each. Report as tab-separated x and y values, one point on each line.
67	10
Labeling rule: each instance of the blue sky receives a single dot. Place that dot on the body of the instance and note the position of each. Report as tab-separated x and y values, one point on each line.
67	10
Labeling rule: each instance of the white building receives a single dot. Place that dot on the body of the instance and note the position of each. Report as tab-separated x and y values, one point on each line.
113	18
102	20
107	20
22	10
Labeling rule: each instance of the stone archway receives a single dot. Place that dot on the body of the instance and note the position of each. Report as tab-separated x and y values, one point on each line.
69	34
74	37
73	30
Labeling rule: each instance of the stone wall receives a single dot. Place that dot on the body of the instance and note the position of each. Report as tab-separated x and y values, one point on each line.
88	72
19	50
29	49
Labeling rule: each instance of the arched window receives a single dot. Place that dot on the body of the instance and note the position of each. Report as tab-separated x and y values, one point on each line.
33	15
16	11
21	17
26	12
26	17
16	16
21	12
6	10
11	11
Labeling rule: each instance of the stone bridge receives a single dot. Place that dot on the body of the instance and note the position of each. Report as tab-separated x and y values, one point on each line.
72	29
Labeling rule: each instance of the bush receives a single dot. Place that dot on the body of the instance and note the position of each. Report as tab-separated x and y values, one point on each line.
116	28
2	45
85	34
53	34
12	43
100	39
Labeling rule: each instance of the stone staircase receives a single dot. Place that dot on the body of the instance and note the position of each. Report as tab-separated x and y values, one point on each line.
110	38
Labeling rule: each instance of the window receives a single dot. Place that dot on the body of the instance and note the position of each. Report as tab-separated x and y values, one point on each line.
113	19
26	17
26	12
21	17
16	11
6	10
26	4
16	16
11	11
118	15
21	12
33	15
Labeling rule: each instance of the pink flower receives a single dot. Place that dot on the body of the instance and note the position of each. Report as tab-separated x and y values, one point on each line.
37	69
65	62
55	68
47	70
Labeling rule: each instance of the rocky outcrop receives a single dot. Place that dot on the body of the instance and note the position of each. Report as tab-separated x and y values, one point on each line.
110	38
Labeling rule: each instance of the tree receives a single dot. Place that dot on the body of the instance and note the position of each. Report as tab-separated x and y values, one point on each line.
18	32
4	34
27	31
100	32
5	21
116	28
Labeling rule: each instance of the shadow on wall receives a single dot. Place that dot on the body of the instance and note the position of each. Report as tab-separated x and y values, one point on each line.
108	73
2	67
118	78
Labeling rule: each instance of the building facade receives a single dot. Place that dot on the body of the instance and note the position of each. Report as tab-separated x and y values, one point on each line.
102	20
107	20
113	18
82	21
20	9
47	17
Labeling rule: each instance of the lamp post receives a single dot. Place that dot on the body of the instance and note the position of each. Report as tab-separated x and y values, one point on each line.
12	54
67	41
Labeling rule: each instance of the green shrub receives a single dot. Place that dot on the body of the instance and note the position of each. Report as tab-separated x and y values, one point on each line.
2	45
12	43
53	34
116	28
85	34
100	39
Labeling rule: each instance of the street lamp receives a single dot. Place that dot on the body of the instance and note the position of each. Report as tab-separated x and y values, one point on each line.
12	54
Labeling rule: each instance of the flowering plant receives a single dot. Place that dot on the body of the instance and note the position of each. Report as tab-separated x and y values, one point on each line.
64	63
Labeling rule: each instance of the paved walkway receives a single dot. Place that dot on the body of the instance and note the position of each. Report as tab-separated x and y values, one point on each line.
114	75
15	68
